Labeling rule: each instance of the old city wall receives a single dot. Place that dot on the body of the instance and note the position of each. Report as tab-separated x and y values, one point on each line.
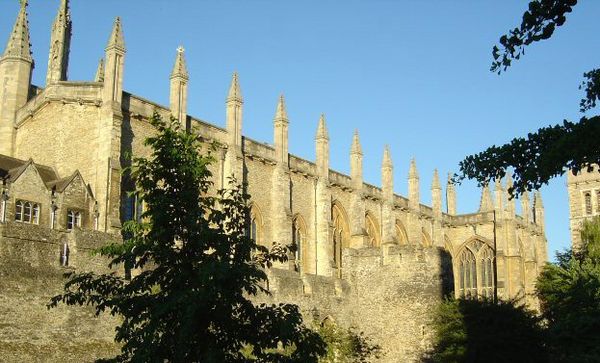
30	274
390	297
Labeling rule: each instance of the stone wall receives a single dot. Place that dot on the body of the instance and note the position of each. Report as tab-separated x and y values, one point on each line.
30	274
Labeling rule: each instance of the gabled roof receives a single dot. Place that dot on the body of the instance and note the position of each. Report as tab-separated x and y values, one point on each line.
11	168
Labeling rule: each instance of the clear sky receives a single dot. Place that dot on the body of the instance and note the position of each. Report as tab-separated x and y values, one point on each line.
411	74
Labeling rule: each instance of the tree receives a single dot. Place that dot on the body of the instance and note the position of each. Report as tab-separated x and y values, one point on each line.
485	331
346	345
569	292
199	269
552	150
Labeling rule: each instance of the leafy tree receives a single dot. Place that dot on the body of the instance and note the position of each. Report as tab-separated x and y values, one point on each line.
569	292
485	331
198	270
346	345
552	150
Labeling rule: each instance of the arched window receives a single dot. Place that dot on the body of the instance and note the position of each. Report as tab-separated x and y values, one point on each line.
588	202
73	219
339	234
476	270
401	234
254	230
298	241
27	212
425	239
372	231
487	267
467	283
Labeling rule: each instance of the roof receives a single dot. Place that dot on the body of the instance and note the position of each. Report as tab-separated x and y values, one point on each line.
11	168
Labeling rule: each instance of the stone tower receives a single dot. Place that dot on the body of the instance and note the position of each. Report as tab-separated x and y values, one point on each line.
584	200
60	42
16	65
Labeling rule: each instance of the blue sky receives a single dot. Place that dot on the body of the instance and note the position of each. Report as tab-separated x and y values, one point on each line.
411	74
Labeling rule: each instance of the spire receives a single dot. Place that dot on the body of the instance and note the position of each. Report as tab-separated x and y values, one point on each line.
180	68
413	185
322	145
356	149
499	195
60	43
356	165
412	172
486	203
450	196
511	201
116	39
525	207
387	175
435	183
280	112
100	71
18	45
322	128
281	132
387	157
538	209
235	94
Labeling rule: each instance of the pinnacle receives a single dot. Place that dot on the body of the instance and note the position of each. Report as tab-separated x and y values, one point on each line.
180	68
18	44
435	184
63	12
100	71
235	94
116	39
537	200
281	113
412	171
387	157
450	182
356	149
322	129
486	202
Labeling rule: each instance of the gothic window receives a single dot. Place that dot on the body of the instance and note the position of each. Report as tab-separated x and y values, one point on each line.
487	276
468	274
588	202
254	225
339	235
73	219
252	229
476	271
298	240
372	231
425	239
27	212
134	208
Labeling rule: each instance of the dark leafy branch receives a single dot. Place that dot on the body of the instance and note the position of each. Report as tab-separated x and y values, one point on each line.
542	155
538	23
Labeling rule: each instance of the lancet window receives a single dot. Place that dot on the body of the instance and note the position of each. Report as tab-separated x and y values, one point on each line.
73	219
587	196
339	233
298	241
372	231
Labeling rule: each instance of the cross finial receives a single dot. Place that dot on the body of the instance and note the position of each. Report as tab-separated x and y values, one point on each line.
180	49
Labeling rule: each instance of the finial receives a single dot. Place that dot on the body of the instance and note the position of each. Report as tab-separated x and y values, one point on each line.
356	148
537	200
486	203
180	68
322	129
235	94
280	112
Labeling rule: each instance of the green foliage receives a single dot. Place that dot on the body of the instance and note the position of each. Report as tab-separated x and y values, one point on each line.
484	331
569	292
346	345
538	23
546	153
197	270
539	157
